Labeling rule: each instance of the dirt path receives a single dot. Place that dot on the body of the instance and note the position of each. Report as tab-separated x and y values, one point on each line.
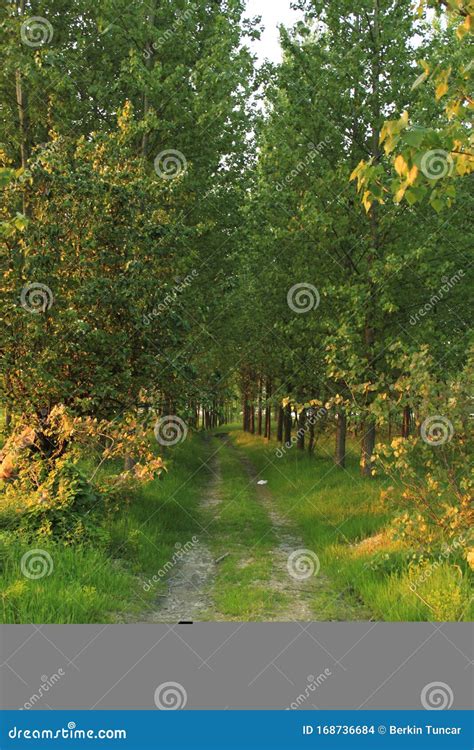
296	570
190	581
302	591
299	590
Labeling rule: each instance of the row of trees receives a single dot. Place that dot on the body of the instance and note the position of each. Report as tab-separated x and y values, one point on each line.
347	294
170	243
124	156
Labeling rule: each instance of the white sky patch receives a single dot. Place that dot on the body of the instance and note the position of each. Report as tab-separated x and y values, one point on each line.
273	13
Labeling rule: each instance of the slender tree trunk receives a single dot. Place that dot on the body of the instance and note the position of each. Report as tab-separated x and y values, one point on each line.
341	428
24	133
311	431
148	65
259	408
288	424
245	412
368	445
301	430
280	424
368	439
252	419
406	422
268	410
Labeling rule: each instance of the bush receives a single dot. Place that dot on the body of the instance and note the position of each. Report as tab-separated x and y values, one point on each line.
432	496
48	494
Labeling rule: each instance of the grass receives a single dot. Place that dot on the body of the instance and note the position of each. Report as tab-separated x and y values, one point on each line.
94	583
334	511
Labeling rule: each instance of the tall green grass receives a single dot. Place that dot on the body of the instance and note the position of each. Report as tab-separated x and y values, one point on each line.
98	584
335	510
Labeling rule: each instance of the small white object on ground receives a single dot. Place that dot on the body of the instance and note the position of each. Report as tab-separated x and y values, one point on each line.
262	481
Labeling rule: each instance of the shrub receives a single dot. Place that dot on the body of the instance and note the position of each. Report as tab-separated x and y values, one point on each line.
432	496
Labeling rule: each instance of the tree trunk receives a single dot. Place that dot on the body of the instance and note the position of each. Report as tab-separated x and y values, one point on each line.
311	431
246	413
341	428
268	410
301	430
368	439
368	445
150	21
8	418
287	425
259	412
280	424
24	131
406	422
252	419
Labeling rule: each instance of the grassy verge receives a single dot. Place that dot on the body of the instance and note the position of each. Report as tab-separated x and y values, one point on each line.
334	511
92	583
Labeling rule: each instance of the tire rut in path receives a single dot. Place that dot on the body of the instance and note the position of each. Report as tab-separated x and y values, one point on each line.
191	579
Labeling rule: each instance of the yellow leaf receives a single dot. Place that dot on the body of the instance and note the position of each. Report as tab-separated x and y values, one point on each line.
452	108
404	119
400	165
400	193
412	175
357	170
462	30
366	201
389	145
441	90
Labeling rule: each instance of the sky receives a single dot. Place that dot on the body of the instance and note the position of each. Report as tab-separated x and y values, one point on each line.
273	12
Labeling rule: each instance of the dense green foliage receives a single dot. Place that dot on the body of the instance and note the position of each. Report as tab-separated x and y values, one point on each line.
184	233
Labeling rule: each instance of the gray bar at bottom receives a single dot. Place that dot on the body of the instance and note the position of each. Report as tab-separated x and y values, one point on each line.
321	665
